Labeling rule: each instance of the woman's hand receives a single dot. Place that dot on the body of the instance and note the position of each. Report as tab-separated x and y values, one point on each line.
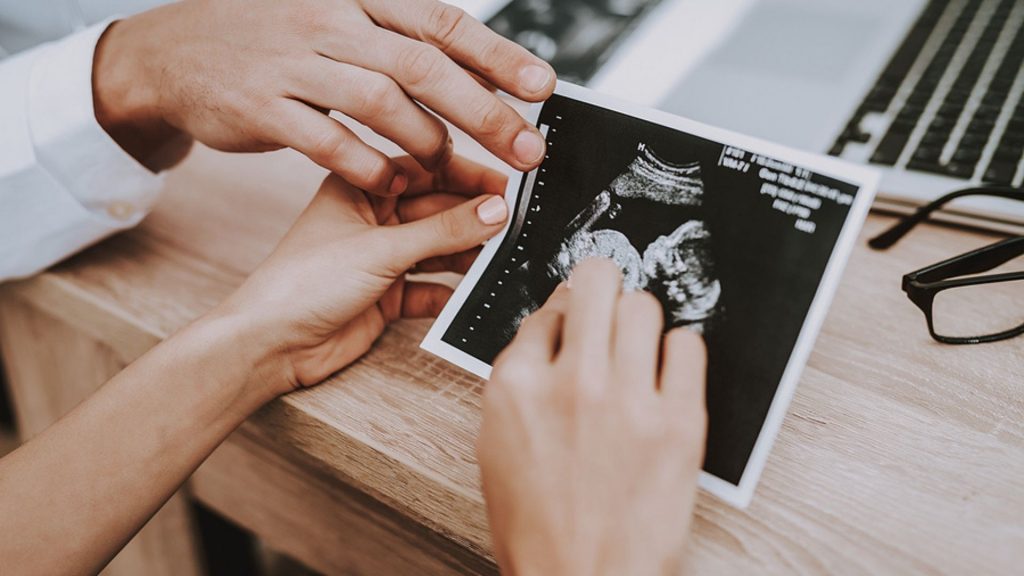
593	434
94	478
255	75
338	277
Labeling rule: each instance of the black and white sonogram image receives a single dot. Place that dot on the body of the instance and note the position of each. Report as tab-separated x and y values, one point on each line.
733	244
575	36
678	267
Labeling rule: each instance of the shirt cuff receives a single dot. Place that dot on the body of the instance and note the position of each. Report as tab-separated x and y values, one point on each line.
70	143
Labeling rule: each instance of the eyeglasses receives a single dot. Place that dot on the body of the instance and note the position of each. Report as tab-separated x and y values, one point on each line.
963	306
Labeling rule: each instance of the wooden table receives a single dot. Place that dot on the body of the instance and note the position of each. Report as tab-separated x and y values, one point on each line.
898	455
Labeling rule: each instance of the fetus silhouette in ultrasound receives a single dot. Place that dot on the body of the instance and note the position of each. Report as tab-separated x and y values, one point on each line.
649	221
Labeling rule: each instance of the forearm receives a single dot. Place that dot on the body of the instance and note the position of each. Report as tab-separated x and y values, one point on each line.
72	497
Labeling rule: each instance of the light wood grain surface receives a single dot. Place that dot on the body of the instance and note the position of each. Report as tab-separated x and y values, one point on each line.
898	455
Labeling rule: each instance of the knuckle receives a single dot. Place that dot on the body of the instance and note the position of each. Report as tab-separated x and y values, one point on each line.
378	98
493	119
450	225
306	18
494	54
421	64
589	383
327	147
377	174
445	24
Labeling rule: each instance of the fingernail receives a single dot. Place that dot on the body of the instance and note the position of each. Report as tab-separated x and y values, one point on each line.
534	78
399	184
528	147
492	212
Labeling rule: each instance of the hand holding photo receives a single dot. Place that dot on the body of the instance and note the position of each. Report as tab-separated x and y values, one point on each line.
741	240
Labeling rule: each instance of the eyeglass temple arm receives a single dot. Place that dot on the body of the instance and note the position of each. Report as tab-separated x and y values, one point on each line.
976	261
901	228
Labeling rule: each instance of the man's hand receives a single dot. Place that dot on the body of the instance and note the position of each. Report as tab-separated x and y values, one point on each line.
256	75
338	277
593	434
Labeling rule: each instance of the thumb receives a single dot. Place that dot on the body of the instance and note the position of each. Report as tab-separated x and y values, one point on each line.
450	232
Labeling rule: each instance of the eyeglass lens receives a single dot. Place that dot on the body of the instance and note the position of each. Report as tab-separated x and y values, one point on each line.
979	310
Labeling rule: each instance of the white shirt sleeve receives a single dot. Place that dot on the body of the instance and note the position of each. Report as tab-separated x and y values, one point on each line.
64	183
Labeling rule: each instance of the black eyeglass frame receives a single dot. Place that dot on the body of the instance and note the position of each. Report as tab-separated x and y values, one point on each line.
923	285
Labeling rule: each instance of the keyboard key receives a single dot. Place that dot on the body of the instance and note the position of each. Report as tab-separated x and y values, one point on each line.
951	113
980	128
923	166
994	97
935	139
967	13
1007	152
1012	139
969	155
987	113
921	97
853	132
927	155
1000	173
890	148
879	98
941	124
961	170
978	140
989	110
960	97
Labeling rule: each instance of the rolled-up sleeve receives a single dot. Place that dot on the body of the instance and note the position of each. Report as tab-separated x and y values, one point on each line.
64	183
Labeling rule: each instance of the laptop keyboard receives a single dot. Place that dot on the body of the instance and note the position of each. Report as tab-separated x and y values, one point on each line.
950	100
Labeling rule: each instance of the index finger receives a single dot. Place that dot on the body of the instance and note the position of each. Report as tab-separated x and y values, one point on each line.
433	79
469	42
590	321
540	334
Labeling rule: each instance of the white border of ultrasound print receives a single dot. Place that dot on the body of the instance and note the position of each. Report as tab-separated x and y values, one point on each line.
865	178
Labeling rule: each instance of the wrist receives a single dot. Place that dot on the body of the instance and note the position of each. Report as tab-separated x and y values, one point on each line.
127	101
244	352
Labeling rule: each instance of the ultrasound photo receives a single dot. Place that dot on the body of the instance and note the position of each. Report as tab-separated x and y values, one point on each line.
676	266
575	36
733	243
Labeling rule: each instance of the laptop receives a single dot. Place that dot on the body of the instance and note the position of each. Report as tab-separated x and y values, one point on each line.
927	91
